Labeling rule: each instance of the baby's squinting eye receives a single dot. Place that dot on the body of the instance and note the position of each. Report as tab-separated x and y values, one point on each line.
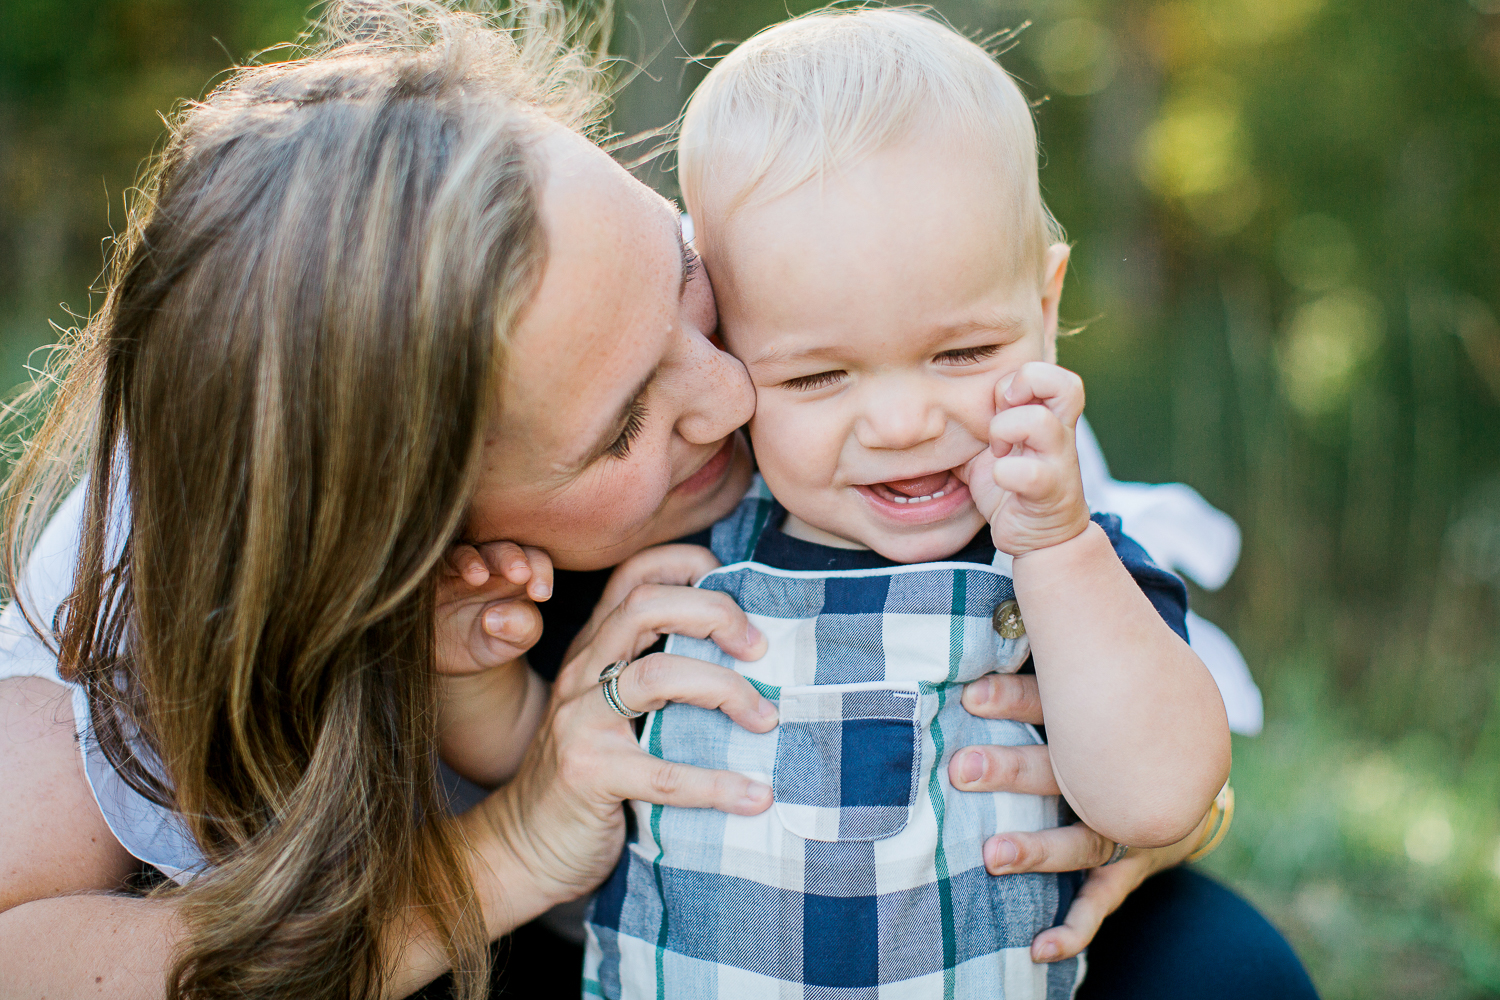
806	383
967	355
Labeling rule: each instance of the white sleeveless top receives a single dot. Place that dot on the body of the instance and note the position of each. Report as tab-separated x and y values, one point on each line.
1176	526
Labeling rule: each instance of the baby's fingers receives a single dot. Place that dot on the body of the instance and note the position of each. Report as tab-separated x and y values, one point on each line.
540	587
1029	478
1034	427
517	623
464	561
1056	388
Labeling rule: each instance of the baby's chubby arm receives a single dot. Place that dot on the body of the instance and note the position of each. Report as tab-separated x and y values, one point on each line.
1136	727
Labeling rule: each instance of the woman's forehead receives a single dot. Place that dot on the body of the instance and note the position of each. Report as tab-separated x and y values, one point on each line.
600	320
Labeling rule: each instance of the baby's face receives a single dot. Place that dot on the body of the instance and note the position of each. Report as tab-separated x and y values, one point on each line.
876	313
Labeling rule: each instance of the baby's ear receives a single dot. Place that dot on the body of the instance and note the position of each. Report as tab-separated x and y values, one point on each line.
1054	269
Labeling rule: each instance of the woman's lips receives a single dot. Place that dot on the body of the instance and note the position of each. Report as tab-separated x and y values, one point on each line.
924	500
711	471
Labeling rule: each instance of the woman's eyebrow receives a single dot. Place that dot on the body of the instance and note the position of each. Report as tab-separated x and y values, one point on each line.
615	426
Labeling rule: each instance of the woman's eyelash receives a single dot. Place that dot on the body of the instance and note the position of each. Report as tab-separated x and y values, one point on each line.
691	264
968	354
818	381
635	421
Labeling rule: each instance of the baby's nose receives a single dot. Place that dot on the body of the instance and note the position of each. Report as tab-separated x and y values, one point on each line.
901	420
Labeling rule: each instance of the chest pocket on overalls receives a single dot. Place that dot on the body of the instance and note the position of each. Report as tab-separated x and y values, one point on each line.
848	759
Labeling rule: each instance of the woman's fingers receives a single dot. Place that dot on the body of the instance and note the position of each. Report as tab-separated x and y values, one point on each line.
679	565
1060	849
1024	770
1005	696
650	779
652	610
1102	893
652	681
672	565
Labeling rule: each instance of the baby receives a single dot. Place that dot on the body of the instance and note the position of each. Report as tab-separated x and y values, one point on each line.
864	185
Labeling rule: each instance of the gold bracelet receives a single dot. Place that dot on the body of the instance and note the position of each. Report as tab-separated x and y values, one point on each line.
1220	815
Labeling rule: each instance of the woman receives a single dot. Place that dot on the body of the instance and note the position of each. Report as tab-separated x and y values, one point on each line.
378	299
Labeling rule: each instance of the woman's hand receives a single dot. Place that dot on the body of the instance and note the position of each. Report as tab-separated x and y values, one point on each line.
555	831
669	565
1028	770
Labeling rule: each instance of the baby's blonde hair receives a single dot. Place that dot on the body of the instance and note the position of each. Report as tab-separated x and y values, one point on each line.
816	94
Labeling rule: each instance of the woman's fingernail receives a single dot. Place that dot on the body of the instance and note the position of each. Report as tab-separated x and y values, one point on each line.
543	591
1048	952
752	635
1002	853
971	768
756	793
766	709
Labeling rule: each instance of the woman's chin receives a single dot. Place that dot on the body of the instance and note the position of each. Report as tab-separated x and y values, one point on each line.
690	513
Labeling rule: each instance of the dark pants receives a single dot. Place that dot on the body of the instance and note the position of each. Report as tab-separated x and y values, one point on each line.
1183	936
1180	936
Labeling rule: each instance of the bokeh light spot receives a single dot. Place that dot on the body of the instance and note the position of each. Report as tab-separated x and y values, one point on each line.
1429	838
1079	56
1326	342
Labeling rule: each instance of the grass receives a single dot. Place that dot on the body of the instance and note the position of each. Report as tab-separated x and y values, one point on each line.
1380	860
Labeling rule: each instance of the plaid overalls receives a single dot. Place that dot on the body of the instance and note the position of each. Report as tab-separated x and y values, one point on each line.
865	878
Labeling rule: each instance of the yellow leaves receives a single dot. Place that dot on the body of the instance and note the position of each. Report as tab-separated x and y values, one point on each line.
1197	153
1327	341
1185	28
1255	22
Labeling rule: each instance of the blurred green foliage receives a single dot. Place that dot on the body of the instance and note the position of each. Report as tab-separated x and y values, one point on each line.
1286	217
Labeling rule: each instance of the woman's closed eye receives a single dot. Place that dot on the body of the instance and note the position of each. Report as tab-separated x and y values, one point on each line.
807	383
635	421
967	355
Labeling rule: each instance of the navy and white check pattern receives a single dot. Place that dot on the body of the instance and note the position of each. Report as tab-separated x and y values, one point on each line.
865	880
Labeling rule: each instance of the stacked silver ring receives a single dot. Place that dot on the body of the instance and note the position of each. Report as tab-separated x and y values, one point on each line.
610	678
1120	851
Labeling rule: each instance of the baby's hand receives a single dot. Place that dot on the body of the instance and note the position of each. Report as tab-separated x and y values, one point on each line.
1026	483
486	613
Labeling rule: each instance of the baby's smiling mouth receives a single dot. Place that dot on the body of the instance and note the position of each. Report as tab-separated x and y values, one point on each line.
922	489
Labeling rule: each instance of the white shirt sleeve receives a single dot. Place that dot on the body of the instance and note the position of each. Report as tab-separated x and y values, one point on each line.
1184	533
45	584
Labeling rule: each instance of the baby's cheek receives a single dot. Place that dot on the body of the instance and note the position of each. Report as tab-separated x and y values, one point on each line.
972	407
786	449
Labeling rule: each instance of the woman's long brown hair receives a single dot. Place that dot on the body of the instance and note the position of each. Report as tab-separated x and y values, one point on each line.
287	388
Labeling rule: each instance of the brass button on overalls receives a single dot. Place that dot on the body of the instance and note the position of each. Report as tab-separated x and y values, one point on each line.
1008	620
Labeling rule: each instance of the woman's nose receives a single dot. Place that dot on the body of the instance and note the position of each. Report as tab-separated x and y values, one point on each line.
719	396
899	417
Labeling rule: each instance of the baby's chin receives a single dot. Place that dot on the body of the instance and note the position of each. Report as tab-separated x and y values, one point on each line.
933	544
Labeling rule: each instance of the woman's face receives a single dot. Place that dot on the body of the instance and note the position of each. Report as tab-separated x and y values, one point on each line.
618	416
